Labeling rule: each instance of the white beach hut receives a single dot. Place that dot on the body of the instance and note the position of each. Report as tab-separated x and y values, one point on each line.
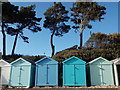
116	67
4	72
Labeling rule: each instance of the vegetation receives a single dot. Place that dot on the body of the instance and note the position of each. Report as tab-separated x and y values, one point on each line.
83	13
99	44
25	20
16	56
16	20
55	18
8	16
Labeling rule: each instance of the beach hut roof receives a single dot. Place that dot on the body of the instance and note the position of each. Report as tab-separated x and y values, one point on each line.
97	59
5	62
44	59
73	57
117	60
32	62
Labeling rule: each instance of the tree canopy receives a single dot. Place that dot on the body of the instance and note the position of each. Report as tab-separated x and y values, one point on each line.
55	18
9	12
99	44
24	19
85	12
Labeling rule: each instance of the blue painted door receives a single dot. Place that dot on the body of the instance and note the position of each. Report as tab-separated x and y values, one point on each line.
41	75
15	74
52	74
25	75
46	74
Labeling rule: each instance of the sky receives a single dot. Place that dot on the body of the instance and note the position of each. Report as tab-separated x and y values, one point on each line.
58	0
40	42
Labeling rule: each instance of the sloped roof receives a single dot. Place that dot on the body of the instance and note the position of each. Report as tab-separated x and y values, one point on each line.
44	59
23	59
96	59
116	60
72	58
6	62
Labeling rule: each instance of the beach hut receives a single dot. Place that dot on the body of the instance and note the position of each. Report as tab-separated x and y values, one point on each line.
74	72
4	72
116	67
100	72
22	73
46	72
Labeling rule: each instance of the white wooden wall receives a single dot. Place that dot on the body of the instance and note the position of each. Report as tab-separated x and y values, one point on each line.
4	72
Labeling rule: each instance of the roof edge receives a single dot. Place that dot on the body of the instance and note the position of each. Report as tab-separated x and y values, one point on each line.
71	58
19	59
45	58
97	59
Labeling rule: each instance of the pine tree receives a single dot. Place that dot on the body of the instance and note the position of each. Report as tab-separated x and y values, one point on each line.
55	18
83	13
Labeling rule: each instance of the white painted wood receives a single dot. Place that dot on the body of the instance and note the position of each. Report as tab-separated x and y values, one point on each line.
4	72
115	63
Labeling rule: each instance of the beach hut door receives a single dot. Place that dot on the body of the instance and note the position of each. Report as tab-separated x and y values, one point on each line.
51	74
69	74
24	75
72	75
15	76
118	72
78	74
19	76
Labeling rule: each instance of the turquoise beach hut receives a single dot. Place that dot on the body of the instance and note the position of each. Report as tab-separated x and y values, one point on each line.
74	72
46	72
22	73
100	72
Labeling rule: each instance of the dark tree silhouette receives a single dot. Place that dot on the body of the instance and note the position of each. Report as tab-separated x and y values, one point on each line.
55	18
9	12
25	20
83	13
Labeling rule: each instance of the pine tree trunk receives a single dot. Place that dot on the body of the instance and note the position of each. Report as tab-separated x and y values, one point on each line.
81	34
81	39
4	40
15	42
52	45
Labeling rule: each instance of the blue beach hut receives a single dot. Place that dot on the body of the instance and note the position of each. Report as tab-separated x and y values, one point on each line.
74	72
22	73
46	72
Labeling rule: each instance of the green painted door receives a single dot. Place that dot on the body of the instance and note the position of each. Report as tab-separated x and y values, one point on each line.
107	74
69	74
80	74
95	74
